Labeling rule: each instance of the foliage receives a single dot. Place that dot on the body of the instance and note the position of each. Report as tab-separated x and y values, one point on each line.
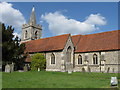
38	61
12	50
7	44
19	55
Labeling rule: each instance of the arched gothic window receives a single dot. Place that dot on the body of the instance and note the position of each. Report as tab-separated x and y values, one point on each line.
52	58
36	35
26	34
95	59
79	59
69	50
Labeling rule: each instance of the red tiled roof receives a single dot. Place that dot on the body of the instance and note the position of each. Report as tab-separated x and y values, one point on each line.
82	43
76	39
47	44
99	42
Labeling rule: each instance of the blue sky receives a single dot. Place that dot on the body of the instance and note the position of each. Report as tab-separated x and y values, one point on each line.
77	12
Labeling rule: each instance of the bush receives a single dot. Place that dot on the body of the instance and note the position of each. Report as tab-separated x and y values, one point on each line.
38	61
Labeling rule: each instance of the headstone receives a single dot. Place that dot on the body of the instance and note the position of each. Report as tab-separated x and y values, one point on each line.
69	71
69	68
113	70
20	70
83	70
89	70
7	68
25	68
38	69
108	69
114	81
28	67
12	67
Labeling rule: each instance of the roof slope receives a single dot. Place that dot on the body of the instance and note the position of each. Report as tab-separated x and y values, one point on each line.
47	44
82	43
99	42
76	39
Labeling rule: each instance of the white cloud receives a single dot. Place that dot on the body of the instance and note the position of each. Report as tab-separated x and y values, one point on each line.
11	16
96	19
60	24
16	34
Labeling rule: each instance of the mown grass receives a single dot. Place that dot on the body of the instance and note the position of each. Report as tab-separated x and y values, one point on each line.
42	79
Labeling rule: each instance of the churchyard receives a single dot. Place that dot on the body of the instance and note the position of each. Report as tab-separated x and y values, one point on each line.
45	79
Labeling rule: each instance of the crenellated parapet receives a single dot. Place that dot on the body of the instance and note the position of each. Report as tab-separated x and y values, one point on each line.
35	26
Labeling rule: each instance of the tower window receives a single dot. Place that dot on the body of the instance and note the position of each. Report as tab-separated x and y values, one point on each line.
36	35
26	34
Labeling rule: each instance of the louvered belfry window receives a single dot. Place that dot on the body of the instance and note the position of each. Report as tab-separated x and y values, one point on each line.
36	35
26	34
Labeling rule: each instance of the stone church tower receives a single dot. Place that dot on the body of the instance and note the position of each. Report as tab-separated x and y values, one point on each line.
31	31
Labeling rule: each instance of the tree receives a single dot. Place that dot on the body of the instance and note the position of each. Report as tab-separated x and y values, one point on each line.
7	44
12	50
38	61
19	55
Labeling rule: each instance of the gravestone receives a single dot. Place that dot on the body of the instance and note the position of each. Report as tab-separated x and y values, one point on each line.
25	68
7	68
69	72
69	67
83	70
12	67
89	70
113	70
20	70
38	69
114	81
108	69
102	65
28	67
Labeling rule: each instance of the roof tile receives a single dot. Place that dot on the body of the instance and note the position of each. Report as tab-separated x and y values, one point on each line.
99	42
47	44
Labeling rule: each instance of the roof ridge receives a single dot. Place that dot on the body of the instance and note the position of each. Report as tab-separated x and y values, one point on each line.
98	41
101	32
49	37
76	35
55	36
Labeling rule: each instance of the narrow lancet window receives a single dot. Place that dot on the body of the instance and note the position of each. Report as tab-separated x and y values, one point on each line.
79	59
52	58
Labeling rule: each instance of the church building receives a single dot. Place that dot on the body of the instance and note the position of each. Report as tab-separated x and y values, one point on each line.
90	53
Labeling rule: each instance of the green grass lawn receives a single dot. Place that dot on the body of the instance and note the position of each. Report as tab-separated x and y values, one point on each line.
42	79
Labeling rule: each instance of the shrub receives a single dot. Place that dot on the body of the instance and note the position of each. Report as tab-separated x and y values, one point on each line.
38	61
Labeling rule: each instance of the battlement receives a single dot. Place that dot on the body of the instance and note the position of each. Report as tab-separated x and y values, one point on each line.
30	25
